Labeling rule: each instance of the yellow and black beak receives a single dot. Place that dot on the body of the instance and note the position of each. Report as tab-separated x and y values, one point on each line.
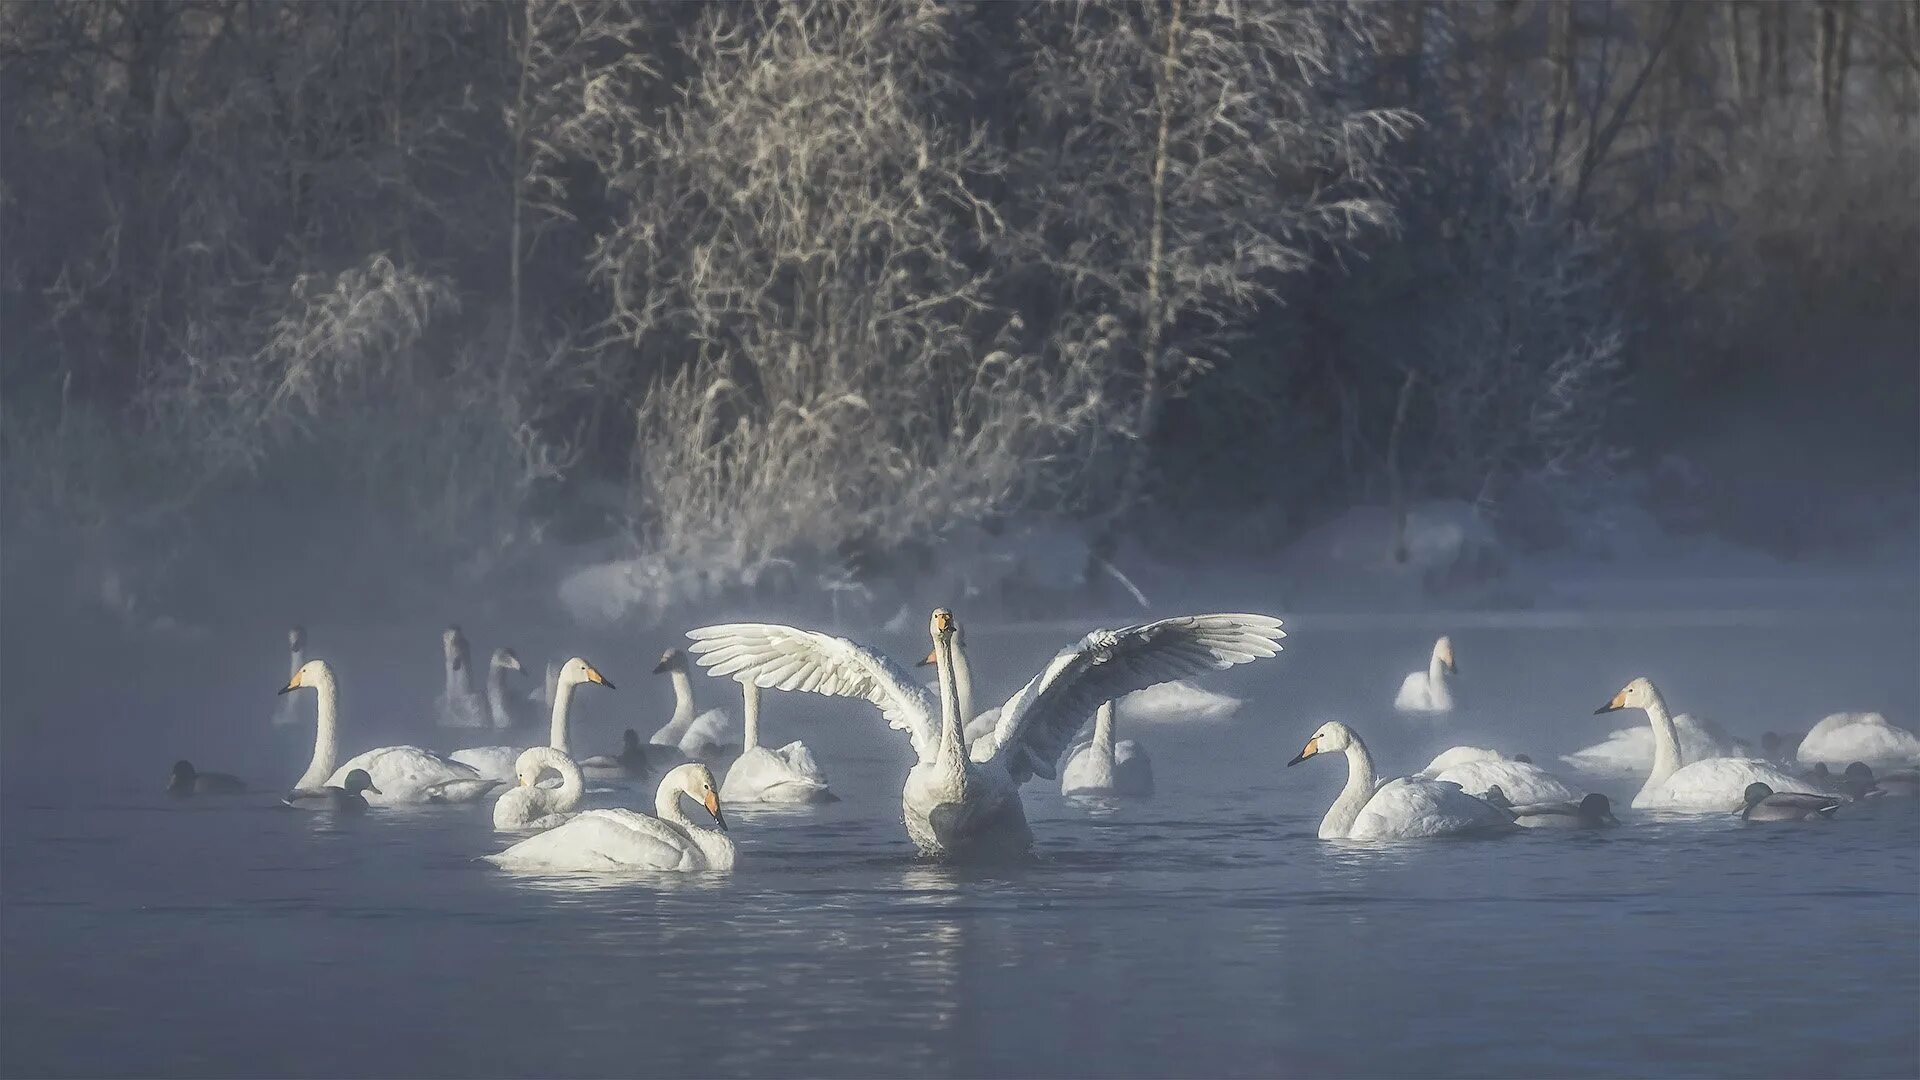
292	684
593	675
1312	748
1618	701
712	802
929	661
943	621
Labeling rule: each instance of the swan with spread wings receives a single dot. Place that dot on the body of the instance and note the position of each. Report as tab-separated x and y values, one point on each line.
968	806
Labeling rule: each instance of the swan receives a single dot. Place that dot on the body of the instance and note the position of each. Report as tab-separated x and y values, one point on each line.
759	775
1715	783
1524	782
502	708
402	774
1406	808
1843	738
1592	812
1628	752
705	737
499	762
459	705
1459	755
286	710
186	780
625	840
1427	691
956	803
1762	803
1101	766
529	806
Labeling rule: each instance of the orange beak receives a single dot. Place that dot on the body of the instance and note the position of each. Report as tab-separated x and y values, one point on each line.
712	802
593	675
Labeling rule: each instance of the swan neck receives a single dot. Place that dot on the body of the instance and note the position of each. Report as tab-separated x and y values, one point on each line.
562	701
963	681
1355	796
573	784
952	753
682	697
1437	673
1666	741
666	805
326	735
1103	729
750	708
497	696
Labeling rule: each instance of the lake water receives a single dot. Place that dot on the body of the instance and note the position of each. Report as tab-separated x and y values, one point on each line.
1202	932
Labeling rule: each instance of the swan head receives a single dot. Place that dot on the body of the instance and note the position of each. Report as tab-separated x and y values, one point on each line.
454	644
358	781
1637	694
959	638
942	626
1596	809
695	781
577	670
531	763
297	639
1332	736
312	673
505	658
671	660
1443	652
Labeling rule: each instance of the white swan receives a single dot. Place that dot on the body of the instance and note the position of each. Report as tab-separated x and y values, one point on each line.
760	775
1717	783
1524	782
459	705
1844	738
1428	691
956	804
401	774
1406	808
1627	753
625	840
1101	766
1459	755
500	762
707	736
287	710
529	806
503	708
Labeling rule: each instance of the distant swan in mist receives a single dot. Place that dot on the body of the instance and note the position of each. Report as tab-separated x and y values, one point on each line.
530	806
1866	737
459	705
613	840
960	803
1627	753
706	736
1407	808
1102	766
499	762
400	774
759	775
287	710
1716	783
1429	691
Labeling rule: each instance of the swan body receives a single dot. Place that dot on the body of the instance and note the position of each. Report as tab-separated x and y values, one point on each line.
1762	803
527	805
1715	783
1459	755
705	736
1844	738
599	840
287	710
1101	766
186	780
400	774
961	802
459	705
501	762
1429	691
1406	808
1522	781
760	775
1628	752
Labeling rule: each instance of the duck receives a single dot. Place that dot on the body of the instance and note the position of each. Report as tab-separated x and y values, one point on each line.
1405	808
527	805
402	774
1429	691
1595	811
759	775
459	705
618	839
960	803
1707	785
500	762
349	797
1861	783
1101	766
1762	803
1865	737
706	736
632	761
186	780
286	710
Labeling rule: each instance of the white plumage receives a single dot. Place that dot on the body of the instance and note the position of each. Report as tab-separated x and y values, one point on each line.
1844	738
759	775
1522	781
613	840
1407	808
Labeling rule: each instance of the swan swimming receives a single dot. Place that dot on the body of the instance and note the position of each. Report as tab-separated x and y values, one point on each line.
1459	755
402	774
530	806
760	775
1101	766
1866	737
1429	691
1716	783
625	840
502	707
459	705
1627	753
705	737
499	762
1524	782
186	780
287	710
961	804
1406	808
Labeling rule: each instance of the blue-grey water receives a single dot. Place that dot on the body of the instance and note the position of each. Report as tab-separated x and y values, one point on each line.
1202	932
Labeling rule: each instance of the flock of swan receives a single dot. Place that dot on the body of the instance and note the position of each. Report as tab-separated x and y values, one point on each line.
961	798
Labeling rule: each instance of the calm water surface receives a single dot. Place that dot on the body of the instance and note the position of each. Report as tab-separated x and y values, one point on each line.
1202	932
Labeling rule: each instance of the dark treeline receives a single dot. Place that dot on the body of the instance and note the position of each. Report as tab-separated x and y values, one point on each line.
741	286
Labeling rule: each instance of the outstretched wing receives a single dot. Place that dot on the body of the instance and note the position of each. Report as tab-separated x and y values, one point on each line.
1037	723
788	658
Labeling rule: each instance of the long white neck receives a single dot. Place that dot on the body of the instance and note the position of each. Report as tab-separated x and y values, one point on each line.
497	696
1437	681
951	755
326	735
562	700
1103	730
750	707
666	804
1354	797
1666	742
573	785
963	681
682	701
